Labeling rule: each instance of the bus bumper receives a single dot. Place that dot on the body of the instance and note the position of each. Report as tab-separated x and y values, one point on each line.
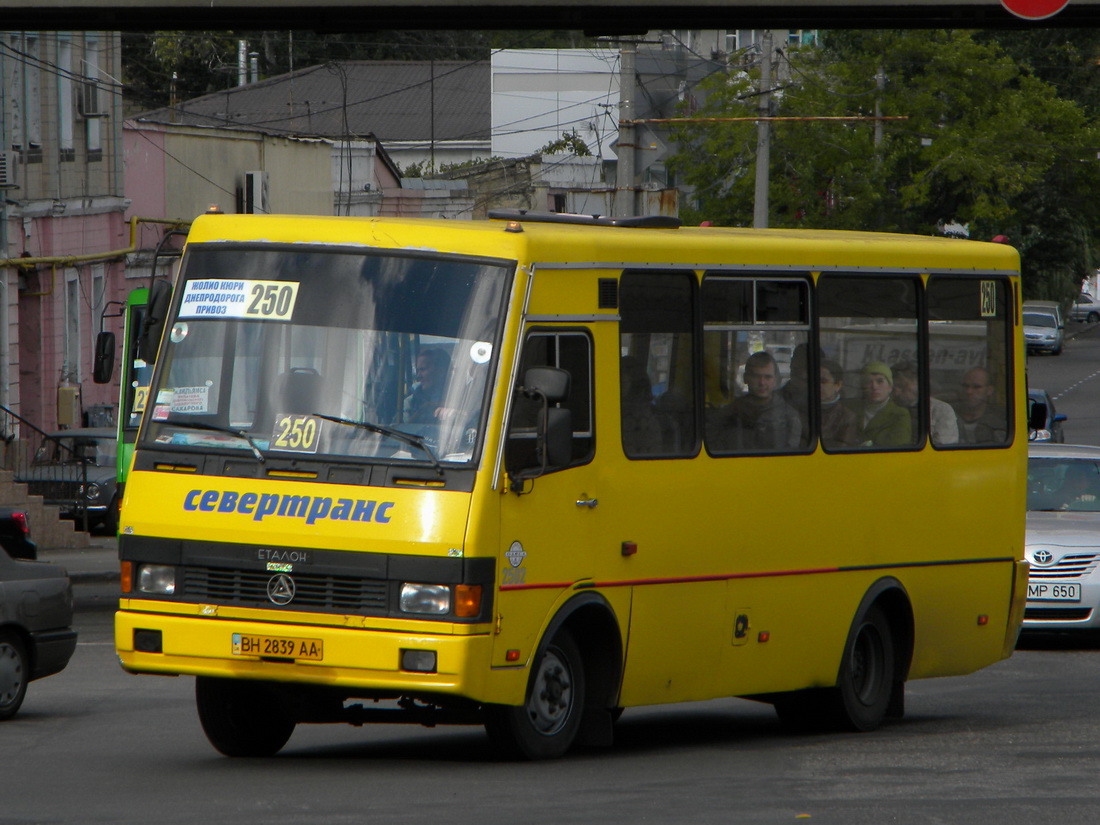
355	659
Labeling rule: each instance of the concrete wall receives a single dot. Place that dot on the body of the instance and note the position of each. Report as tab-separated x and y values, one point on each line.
180	171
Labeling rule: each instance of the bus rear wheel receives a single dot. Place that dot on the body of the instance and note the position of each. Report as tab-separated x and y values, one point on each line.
242	718
862	693
546	725
864	685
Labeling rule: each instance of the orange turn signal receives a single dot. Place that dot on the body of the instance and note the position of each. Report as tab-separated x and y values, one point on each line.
126	576
983	620
467	600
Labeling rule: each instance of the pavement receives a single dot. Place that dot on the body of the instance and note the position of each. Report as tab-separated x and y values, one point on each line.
93	571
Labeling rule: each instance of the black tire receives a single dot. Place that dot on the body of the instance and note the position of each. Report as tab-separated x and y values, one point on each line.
242	718
546	725
1093	317
14	674
866	677
864	684
109	525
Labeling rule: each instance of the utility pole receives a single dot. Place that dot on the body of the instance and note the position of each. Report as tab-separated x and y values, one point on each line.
880	85
624	168
763	136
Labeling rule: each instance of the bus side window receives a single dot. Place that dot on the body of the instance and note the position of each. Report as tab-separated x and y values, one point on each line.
657	365
757	364
969	349
868	326
572	352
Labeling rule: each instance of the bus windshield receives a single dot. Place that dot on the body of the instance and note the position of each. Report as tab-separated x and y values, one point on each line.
328	352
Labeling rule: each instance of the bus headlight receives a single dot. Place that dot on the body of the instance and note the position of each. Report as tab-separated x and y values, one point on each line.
434	599
157	579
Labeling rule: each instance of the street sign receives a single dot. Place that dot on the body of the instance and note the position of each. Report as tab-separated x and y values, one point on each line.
1034	9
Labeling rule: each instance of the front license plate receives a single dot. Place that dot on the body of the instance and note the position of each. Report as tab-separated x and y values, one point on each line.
1053	592
278	647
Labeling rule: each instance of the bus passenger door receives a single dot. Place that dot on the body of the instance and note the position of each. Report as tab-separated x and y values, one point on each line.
555	539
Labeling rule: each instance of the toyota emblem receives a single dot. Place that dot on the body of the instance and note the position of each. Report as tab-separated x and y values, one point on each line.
1042	557
280	589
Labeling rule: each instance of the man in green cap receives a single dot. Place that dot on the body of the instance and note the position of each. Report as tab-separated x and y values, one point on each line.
882	423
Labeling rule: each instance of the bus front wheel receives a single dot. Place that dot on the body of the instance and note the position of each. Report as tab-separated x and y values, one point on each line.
242	718
546	725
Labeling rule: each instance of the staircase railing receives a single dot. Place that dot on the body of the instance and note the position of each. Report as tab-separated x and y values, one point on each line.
47	465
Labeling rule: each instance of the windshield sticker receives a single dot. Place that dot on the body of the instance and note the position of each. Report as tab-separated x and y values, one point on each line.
255	300
178	333
191	400
481	352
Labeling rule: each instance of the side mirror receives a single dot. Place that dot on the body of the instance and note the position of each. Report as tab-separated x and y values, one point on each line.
103	367
1037	417
556	437
152	326
540	439
551	382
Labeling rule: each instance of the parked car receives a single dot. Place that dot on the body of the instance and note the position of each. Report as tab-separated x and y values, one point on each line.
1053	307
1085	308
1063	538
36	635
15	533
76	470
1051	431
1042	332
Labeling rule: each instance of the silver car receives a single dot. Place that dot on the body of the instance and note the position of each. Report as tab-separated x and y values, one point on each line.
1042	332
1063	537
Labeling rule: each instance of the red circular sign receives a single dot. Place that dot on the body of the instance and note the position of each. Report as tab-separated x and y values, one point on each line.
1034	9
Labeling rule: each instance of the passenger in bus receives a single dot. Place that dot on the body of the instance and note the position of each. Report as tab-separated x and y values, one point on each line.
760	419
943	423
839	427
640	429
424	403
882	423
981	419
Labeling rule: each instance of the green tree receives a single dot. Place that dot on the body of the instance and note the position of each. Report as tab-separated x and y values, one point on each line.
983	143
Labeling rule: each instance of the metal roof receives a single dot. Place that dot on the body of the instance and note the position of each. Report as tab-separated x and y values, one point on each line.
390	100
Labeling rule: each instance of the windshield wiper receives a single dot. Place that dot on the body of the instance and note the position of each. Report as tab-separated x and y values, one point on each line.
217	428
409	438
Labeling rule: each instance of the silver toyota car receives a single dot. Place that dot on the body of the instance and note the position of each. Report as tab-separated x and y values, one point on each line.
1063	537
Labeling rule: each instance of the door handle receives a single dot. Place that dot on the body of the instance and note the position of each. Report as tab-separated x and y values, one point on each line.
587	502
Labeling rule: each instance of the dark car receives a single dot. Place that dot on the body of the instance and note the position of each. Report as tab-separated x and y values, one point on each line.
15	533
36	635
76	471
1051	431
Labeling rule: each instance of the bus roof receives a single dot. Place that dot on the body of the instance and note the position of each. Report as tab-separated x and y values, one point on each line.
531	241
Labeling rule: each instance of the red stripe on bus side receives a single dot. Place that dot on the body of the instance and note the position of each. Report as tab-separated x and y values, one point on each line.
811	571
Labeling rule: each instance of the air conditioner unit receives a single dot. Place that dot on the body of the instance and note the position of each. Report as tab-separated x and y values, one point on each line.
255	193
9	168
88	99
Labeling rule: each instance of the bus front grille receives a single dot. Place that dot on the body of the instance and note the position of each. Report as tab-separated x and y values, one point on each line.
311	591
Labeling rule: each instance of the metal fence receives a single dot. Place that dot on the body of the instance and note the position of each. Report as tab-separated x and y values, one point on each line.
48	466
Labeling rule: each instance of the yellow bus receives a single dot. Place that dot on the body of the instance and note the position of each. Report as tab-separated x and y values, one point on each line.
530	471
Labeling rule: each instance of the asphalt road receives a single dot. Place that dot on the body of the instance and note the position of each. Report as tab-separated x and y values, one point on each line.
1015	744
